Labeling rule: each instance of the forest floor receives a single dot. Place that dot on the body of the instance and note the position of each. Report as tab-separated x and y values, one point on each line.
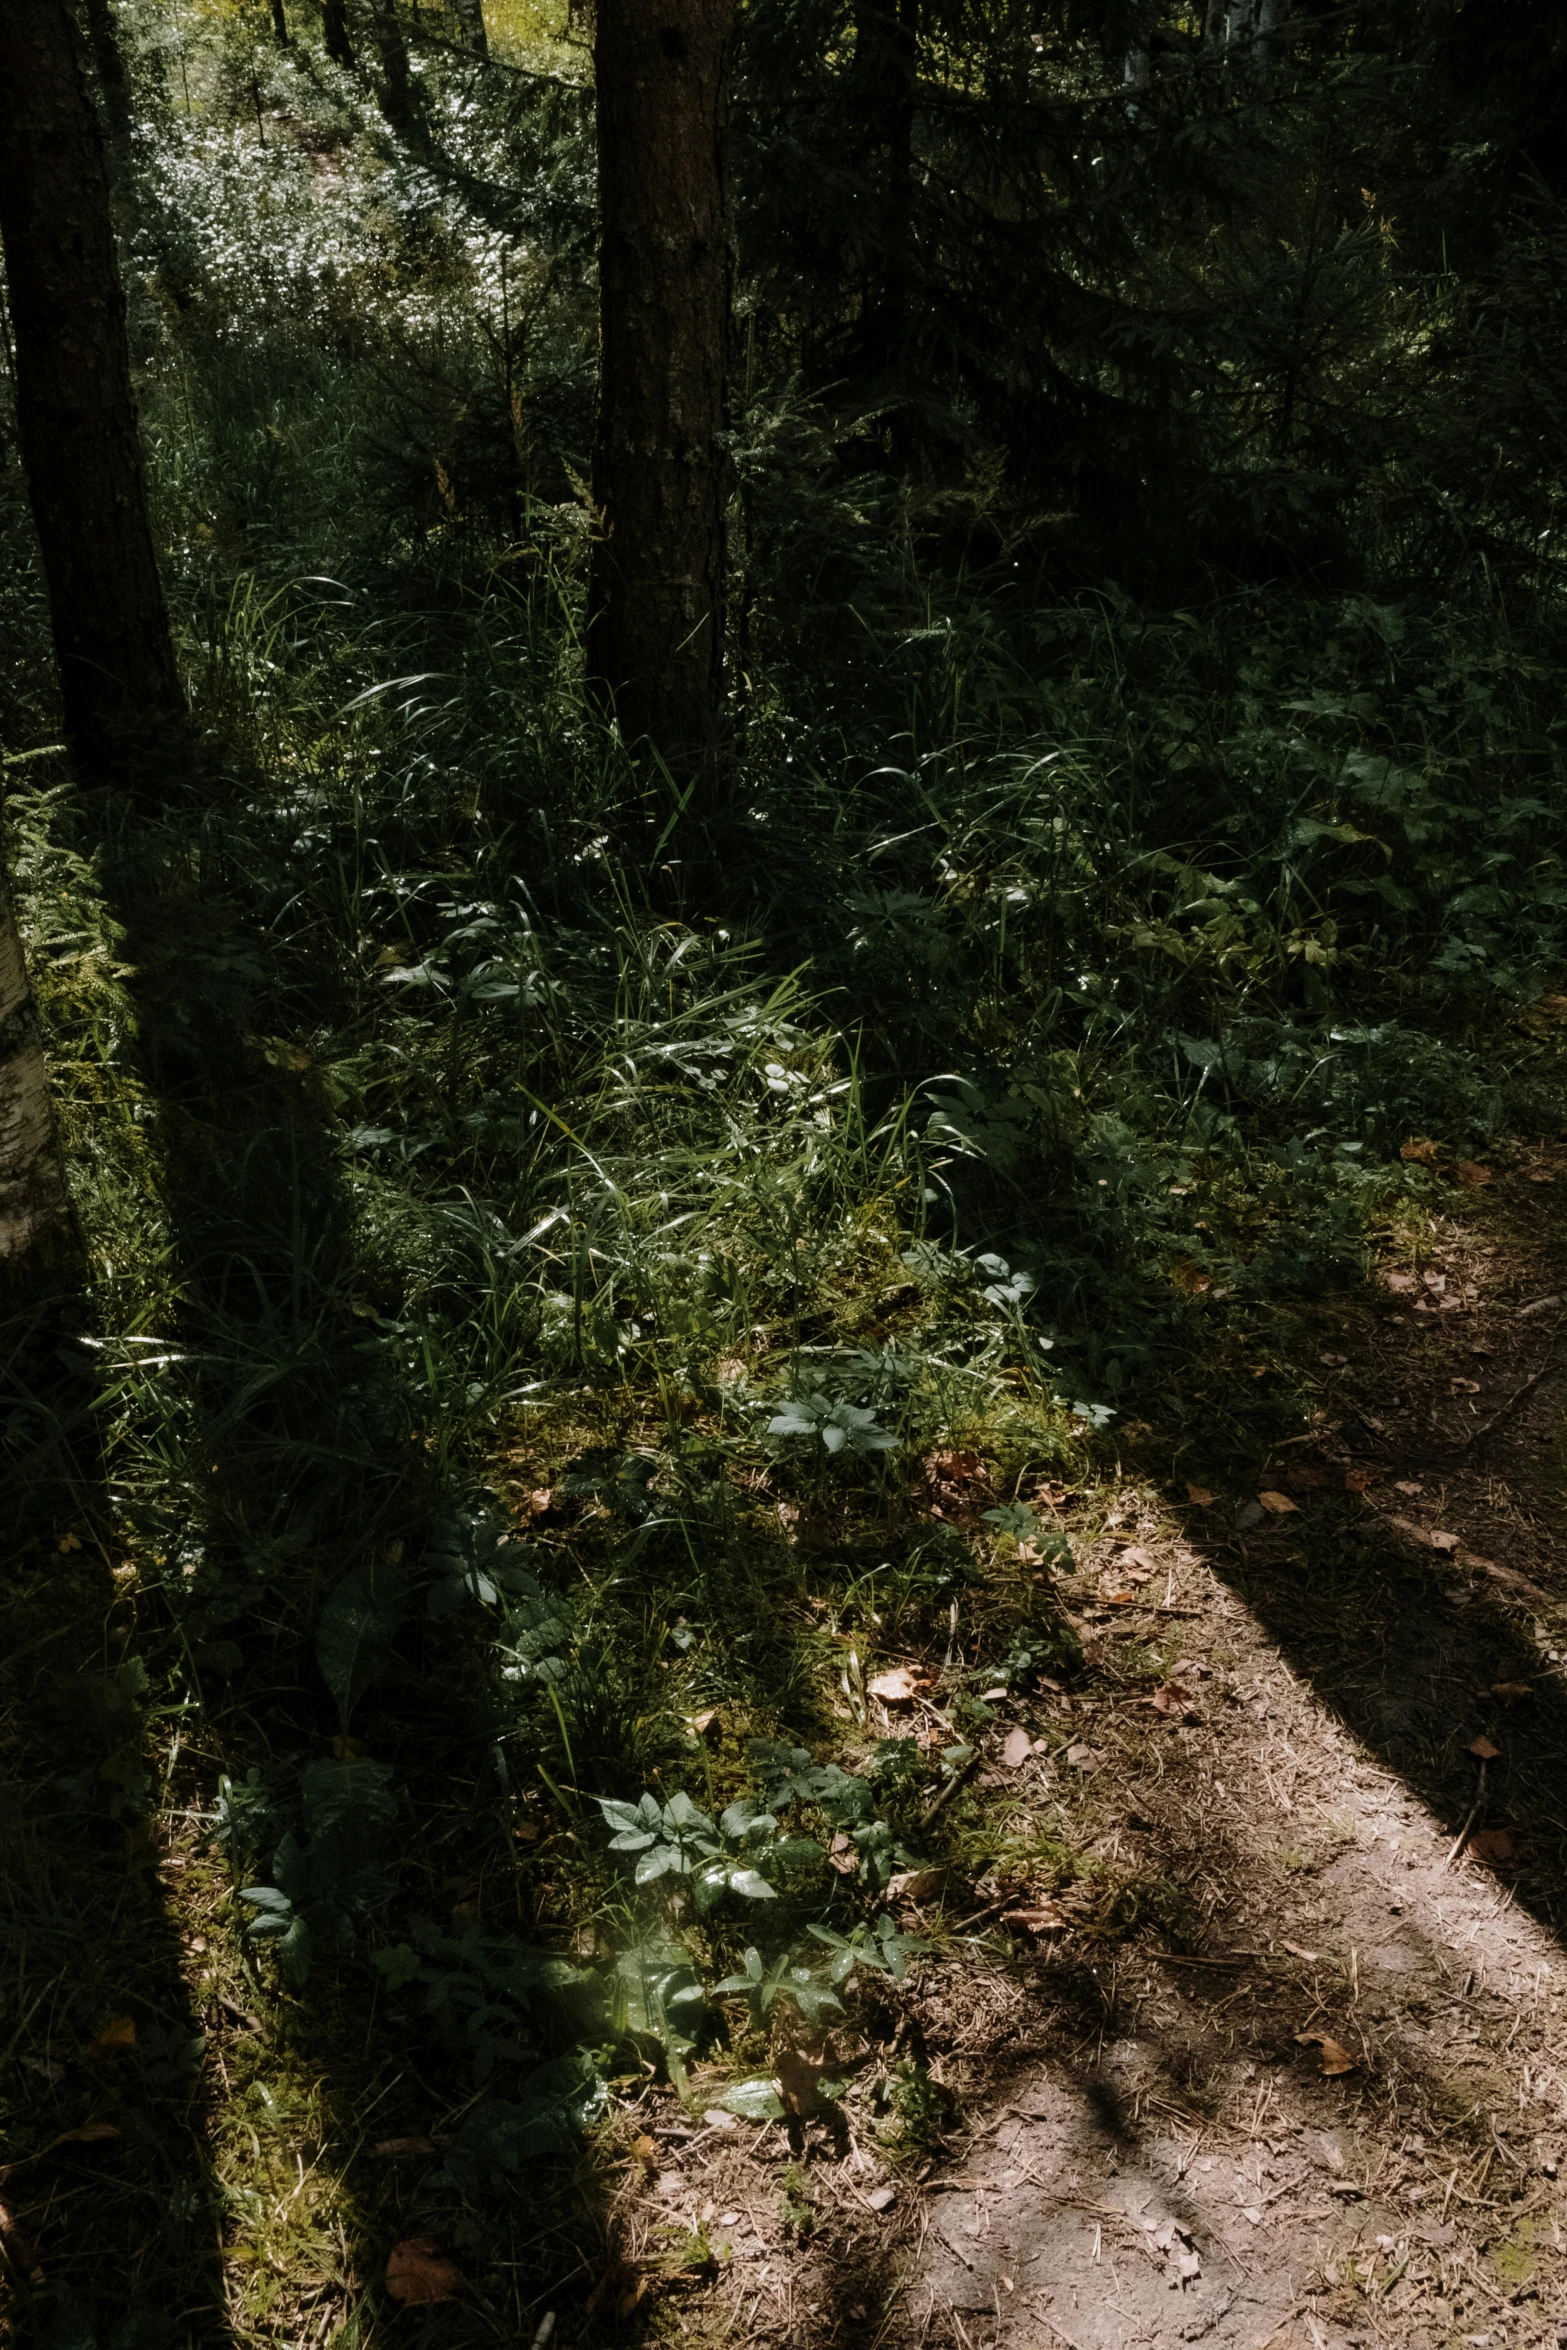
1340	2116
1277	2062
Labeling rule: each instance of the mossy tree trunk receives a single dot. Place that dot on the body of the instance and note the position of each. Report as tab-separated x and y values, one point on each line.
660	475
75	417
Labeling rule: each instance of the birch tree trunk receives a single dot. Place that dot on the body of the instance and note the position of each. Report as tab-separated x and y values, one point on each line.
39	1235
656	593
75	416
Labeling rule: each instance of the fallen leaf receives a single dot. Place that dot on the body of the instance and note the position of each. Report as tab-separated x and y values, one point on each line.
1463	1387
882	2198
1016	1749
1120	1598
1401	1283
1419	1150
118	2034
19	2247
1172	1699
1134	1557
1306	1479
1334	1362
1252	2214
1468	1172
1200	1497
645	2148
393	2146
701	1723
1084	1758
417	2274
1188	2265
1407	1485
915	1884
1511	1691
1358	1480
1444	1541
1484	1749
899	1687
798	2080
994	1696
1541	1305
621	2283
1043	1918
715	2118
1540	1175
1335	2060
1280	1503
1492	1844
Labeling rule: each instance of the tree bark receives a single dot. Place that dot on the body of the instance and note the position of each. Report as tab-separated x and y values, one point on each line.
39	1235
112	79
470	18
279	24
75	416
660	477
886	65
334	31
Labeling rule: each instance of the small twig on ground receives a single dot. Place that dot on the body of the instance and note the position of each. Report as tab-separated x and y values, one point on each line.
1462	1838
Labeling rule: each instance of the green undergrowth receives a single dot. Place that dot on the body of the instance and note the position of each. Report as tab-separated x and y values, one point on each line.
586	1281
545	1358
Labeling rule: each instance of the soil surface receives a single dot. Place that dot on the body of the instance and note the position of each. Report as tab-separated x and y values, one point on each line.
1319	2100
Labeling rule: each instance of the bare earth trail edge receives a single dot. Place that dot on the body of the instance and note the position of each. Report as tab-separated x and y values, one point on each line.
1338	2116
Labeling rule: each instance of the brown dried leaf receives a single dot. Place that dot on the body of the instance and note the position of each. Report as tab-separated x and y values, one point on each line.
1280	1503
1463	1387
1401	1283
899	1687
1358	1480
1173	1700
645	2149
701	1723
1144	1560
1484	1749
915	1884
798	2082
1335	2059
1200	1497
1042	1918
1016	1749
118	2034
1419	1150
418	2273
1510	1692
1492	1844
1467	1171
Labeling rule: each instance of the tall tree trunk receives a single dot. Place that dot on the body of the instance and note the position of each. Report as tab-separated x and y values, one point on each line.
39	1235
279	24
886	65
398	102
113	83
334	31
656	594
470	19
75	416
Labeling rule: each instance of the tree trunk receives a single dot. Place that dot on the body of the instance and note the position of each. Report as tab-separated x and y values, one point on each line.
398	102
886	65
279	24
470	19
656	595
112	81
39	1235
75	416
334	31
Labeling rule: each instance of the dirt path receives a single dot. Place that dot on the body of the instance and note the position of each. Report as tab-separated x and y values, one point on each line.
1291	2072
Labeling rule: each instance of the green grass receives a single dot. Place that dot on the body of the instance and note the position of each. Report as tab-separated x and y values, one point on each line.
456	1161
